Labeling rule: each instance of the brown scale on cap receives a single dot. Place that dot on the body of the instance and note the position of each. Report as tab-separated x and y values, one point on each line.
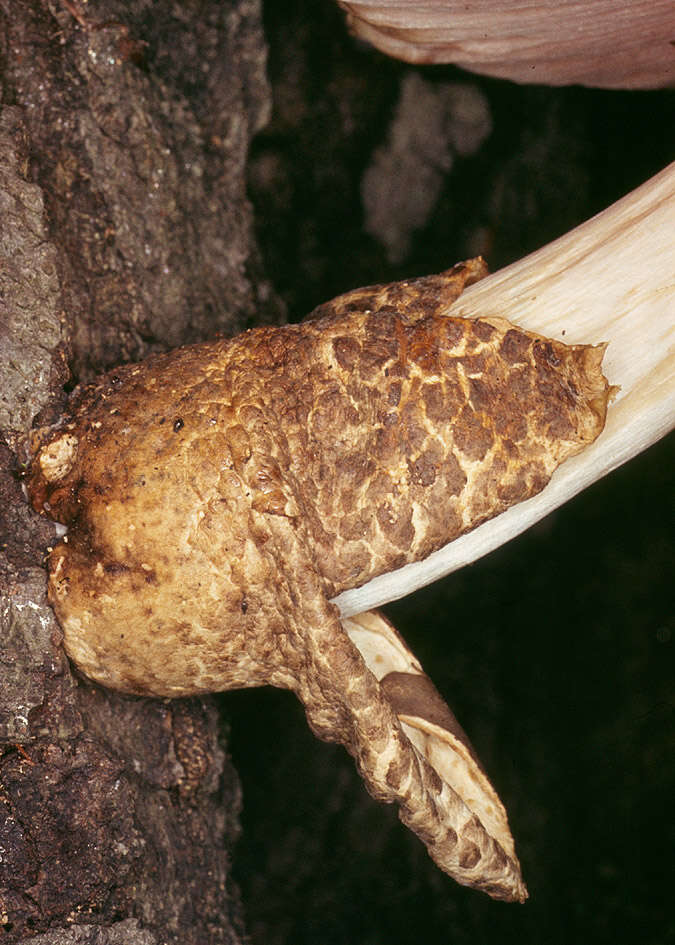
217	497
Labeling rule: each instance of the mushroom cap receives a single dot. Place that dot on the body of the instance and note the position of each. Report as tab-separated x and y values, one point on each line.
601	43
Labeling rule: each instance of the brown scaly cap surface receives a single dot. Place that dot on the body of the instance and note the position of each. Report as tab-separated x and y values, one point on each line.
218	496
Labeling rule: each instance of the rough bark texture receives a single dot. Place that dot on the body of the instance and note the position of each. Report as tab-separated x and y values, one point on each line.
124	229
138	118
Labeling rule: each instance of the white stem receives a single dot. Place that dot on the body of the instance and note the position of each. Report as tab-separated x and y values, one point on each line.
611	279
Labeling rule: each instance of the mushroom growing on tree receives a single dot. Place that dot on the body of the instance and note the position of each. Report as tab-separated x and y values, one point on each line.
236	508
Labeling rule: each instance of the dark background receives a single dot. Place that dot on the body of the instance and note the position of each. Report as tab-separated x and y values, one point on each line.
556	651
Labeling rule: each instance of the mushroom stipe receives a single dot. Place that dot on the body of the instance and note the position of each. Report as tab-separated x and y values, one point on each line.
218	496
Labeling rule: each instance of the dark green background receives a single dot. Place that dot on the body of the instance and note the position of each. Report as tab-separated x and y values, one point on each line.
556	651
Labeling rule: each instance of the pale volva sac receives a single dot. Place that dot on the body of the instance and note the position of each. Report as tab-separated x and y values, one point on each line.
217	498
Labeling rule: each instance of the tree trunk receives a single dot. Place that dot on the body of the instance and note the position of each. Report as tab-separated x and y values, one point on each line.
124	229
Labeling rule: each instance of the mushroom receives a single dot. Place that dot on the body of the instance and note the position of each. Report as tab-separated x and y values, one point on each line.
224	500
601	43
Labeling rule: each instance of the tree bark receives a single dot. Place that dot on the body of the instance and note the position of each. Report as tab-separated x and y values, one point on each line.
124	229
